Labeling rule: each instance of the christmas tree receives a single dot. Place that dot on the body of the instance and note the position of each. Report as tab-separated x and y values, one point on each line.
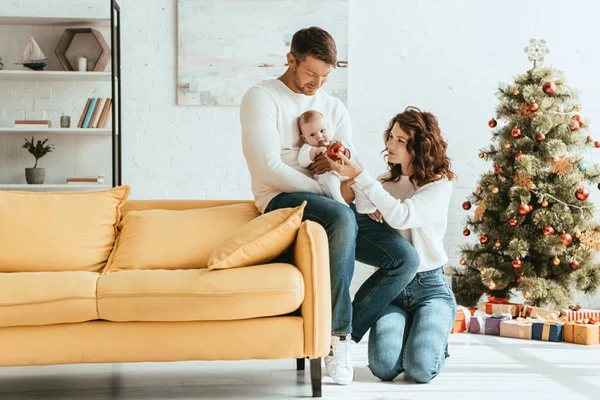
535	228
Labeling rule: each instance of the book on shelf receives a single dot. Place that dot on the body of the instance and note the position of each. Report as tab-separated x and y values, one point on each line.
90	111
33	123
95	113
83	114
85	179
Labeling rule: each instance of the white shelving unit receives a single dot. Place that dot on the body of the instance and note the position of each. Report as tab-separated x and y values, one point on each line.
56	131
57	186
19	75
54	21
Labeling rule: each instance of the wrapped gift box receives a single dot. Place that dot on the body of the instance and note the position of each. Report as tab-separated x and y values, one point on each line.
548	331
533	312
581	333
500	305
462	320
519	328
572	315
487	324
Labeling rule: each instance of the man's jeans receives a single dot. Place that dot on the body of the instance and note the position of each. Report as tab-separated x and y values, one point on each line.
356	236
412	334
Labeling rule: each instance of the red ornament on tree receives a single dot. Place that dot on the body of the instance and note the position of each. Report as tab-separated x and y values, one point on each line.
466	232
548	230
534	106
574	265
575	125
597	143
540	137
466	205
517	263
549	87
513	222
518	155
498	169
566	238
492	123
524	209
516	132
579	118
520	278
582	194
335	149
483	239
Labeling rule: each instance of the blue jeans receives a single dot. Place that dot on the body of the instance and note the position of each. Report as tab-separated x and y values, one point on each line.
354	236
412	334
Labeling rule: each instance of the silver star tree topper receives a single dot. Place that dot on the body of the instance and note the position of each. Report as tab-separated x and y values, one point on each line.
536	51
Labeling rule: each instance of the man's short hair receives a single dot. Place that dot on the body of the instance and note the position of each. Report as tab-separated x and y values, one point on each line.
314	42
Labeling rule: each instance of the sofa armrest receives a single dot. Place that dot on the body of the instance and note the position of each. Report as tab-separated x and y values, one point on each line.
311	256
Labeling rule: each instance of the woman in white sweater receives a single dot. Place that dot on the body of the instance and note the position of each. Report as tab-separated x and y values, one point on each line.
412	197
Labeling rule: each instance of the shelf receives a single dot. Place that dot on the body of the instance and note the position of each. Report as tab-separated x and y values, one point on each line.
54	186
26	75
57	131
54	21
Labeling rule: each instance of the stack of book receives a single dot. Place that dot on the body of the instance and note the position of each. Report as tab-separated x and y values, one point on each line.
33	123
80	180
96	113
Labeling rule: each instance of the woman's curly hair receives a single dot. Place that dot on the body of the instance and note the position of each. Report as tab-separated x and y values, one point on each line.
426	144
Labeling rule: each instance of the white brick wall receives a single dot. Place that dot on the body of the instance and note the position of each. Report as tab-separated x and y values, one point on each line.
445	57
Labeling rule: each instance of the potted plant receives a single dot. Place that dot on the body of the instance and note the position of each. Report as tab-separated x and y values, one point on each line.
36	175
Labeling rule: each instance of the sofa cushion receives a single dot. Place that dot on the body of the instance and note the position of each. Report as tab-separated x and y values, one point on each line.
58	231
46	298
175	239
260	240
200	295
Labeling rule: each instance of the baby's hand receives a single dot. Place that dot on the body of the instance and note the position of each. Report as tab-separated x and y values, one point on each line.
315	151
322	150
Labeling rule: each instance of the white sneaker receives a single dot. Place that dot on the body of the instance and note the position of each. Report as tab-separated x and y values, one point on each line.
339	362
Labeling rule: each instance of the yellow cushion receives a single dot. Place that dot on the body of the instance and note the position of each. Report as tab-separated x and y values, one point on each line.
175	239
260	240
58	231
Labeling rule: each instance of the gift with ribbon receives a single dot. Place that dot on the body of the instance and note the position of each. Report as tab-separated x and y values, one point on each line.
500	305
528	311
579	332
462	320
487	324
575	313
519	328
548	329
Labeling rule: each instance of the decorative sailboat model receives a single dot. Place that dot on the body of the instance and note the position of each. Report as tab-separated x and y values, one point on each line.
33	57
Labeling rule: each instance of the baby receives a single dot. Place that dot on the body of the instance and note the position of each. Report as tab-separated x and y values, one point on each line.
314	133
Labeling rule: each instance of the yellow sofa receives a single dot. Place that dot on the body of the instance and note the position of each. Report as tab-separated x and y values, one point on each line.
110	315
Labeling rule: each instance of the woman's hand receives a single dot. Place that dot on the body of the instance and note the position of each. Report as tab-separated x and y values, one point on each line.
376	216
346	190
346	168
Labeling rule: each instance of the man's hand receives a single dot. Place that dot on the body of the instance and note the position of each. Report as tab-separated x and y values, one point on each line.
346	190
320	165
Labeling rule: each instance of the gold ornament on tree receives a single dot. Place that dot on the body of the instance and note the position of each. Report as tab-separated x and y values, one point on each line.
590	241
523	179
562	166
525	111
480	210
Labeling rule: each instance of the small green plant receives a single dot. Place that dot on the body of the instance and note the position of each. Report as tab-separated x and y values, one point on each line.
38	150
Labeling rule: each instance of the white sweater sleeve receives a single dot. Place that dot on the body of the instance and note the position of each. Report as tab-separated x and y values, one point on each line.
343	131
428	205
304	155
262	146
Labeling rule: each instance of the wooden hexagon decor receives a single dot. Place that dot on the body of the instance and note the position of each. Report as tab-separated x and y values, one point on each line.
66	40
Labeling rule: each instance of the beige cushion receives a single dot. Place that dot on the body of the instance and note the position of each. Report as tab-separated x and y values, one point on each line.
181	239
200	295
45	298
58	231
260	240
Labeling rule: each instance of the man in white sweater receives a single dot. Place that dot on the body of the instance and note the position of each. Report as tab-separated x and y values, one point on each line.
271	141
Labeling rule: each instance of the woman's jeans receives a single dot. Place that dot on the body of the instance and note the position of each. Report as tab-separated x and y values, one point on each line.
354	236
412	334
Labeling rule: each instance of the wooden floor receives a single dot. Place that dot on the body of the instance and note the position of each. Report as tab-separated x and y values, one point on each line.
480	367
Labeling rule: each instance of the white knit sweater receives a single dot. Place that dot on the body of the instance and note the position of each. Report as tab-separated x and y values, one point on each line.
421	215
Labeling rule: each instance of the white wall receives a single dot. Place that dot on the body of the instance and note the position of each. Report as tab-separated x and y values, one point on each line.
443	56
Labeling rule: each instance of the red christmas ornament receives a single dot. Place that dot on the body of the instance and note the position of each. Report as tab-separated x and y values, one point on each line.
549	87
574	265
516	132
483	239
524	209
335	149
534	106
579	118
492	123
597	143
498	169
517	263
518	155
513	222
566	238
540	137
548	230
466	232
582	194
520	278
466	205
575	125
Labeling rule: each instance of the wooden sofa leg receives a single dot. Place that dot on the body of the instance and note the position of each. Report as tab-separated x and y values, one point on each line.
315	377
300	364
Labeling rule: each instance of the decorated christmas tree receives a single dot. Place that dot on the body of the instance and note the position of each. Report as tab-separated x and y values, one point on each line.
533	222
